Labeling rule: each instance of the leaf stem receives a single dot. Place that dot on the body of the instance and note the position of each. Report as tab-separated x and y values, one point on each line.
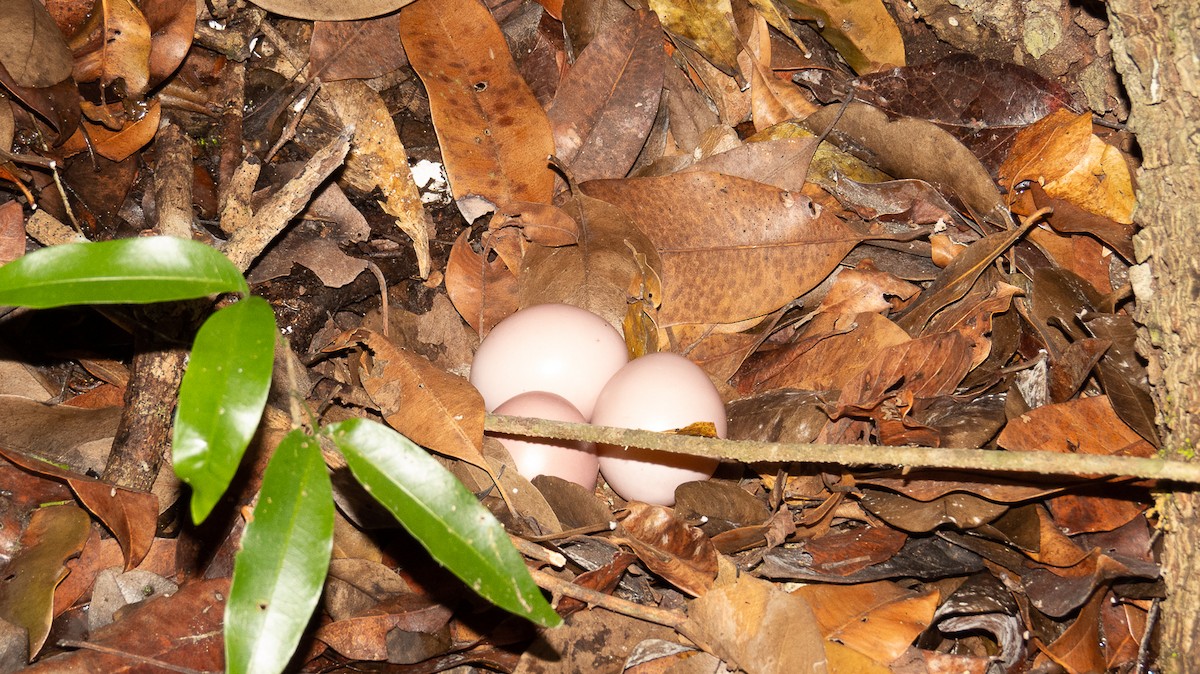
987	460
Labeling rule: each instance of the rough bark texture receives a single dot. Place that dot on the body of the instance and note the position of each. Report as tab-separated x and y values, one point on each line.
1158	55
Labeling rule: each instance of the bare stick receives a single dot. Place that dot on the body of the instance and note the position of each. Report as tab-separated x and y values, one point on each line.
1040	462
558	586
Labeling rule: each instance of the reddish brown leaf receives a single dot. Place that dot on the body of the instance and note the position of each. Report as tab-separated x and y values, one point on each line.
605	105
723	258
57	104
131	516
116	145
1078	648
494	136
992	99
365	636
681	554
342	50
182	630
963	511
172	23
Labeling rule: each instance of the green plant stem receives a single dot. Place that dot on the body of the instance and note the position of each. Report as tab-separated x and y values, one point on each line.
987	460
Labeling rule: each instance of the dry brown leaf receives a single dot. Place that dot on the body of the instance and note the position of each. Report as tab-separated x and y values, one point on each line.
377	159
114	46
681	554
832	351
772	100
494	136
607	102
355	49
430	406
863	31
172	25
914	148
331	10
598	272
877	619
482	287
182	630
116	145
753	625
1061	153
32	48
782	162
704	25
1082	426
1078	648
730	259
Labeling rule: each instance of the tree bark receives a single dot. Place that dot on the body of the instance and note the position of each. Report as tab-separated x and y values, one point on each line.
1158	56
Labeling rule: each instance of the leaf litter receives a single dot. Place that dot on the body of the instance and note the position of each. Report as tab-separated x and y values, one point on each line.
901	268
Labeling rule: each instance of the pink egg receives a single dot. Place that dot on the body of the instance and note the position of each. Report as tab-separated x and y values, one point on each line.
557	348
574	461
658	392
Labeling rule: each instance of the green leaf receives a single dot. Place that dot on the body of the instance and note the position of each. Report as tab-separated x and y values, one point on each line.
281	568
221	398
126	271
442	515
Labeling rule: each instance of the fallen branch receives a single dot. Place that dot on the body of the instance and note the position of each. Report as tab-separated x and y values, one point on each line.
989	460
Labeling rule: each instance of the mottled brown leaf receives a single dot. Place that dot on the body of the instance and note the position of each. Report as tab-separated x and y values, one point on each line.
116	145
494	136
600	271
605	105
730	259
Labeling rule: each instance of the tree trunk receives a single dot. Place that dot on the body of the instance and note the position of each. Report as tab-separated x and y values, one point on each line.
1158	55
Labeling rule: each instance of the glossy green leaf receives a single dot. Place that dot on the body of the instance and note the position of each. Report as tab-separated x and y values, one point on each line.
442	515
280	570
221	398
126	271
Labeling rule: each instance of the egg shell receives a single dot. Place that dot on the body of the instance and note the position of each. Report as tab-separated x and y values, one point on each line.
657	392
557	348
569	460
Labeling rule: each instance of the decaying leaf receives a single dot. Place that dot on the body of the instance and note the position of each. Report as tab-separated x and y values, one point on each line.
681	554
704	25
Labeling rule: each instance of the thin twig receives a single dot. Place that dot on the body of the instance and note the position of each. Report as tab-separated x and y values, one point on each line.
1035	462
535	551
71	643
560	587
